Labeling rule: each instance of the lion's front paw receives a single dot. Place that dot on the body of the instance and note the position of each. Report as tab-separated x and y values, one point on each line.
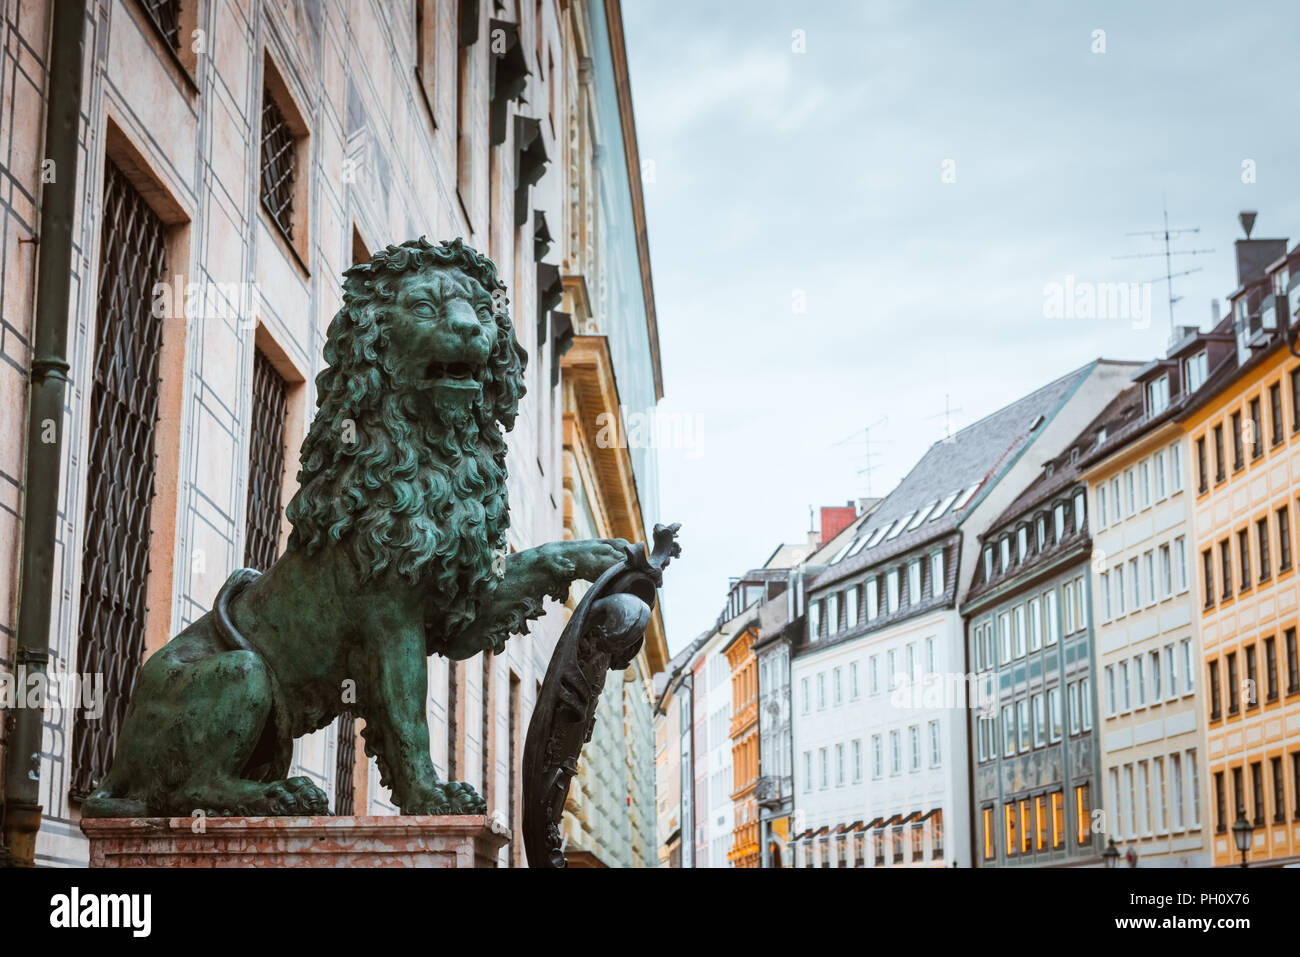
556	561
295	796
429	798
594	557
464	799
451	797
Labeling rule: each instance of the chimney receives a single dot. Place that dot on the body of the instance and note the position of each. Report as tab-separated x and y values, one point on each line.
836	518
1253	255
1214	313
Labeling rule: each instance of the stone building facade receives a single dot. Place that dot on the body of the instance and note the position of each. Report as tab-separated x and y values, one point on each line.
234	159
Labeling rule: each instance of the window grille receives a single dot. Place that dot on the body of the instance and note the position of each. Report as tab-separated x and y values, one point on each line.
265	465
278	164
344	795
120	469
166	16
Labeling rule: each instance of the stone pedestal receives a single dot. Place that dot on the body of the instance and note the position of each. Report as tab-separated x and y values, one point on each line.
418	841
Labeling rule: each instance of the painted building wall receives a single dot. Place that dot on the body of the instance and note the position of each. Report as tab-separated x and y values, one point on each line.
668	779
858	708
743	732
1148	679
1248	619
1035	750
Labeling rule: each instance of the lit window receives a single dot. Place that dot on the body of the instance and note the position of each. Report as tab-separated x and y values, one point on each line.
1082	813
1040	813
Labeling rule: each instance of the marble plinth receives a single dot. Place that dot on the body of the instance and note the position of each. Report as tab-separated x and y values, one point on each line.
416	841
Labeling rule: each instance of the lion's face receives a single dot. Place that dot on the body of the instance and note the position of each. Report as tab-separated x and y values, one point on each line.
441	332
424	376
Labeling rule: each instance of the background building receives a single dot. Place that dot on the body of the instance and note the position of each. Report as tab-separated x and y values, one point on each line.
1246	470
233	161
882	670
668	772
778	626
1147	674
1033	749
718	805
743	731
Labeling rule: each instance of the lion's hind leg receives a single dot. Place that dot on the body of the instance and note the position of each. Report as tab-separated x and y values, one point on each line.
227	732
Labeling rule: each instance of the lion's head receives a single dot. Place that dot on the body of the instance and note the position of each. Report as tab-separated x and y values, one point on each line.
404	464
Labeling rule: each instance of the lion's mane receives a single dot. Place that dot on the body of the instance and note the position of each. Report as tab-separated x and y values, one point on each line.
423	498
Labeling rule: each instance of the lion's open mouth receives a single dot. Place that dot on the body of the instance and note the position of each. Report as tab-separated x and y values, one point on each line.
465	375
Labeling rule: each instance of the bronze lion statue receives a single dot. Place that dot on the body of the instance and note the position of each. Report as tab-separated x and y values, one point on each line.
397	552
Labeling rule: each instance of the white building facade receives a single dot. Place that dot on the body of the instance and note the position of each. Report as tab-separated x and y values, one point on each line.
1148	645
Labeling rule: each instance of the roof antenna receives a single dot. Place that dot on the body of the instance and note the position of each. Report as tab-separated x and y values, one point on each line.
868	465
1169	235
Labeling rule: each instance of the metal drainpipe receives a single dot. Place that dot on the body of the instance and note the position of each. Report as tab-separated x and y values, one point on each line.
49	375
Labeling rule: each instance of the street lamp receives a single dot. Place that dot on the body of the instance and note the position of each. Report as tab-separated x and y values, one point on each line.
1242	831
1110	855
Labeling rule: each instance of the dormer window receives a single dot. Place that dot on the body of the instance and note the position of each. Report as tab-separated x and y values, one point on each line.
1005	546
988	562
1058	521
1078	511
1042	532
1022	543
1074	455
1101	436
1195	371
1158	395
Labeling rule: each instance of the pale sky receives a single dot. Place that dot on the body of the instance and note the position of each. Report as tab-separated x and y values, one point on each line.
814	274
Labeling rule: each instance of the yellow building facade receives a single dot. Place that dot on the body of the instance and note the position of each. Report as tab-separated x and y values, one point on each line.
1245	470
745	850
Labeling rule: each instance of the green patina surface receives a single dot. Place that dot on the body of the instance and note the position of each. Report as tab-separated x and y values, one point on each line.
397	552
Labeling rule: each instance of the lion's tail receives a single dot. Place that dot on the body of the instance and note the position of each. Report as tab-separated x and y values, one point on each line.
221	609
